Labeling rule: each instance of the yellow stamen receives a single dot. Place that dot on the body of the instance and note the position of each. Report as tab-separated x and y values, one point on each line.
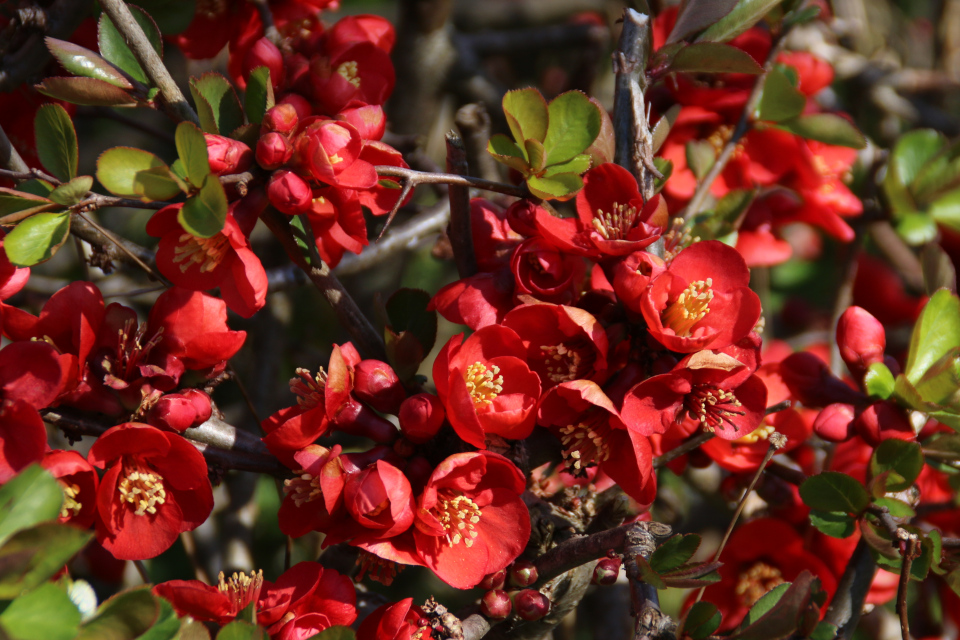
689	308
206	252
458	515
350	73
484	385
143	489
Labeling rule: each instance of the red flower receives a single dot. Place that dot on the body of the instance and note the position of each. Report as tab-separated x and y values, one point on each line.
315	494
337	222
397	621
78	481
194	329
155	488
702	301
485	387
379	504
220	604
224	260
545	272
593	434
471	521
329	151
305	600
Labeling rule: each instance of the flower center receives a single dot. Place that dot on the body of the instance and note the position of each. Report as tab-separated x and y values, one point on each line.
70	506
241	589
132	349
483	384
689	308
760	433
756	581
561	362
712	407
720	137
304	488
616	224
309	389
379	570
144	490
349	72
458	515
206	252
584	444
677	239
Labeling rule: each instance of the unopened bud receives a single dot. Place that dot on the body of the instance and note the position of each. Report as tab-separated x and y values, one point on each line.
606	571
298	102
273	151
282	119
494	580
376	383
289	193
201	403
835	422
358	419
531	604
180	411
496	604
883	420
523	573
861	339
264	53
227	155
421	417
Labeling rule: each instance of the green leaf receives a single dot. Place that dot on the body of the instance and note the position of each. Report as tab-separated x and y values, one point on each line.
45	612
648	575
31	497
192	149
191	629
562	186
17	205
259	96
826	127
335	633
85	63
506	151
800	17
56	141
603	149
936	332
938	269
946	210
700	157
171	16
665	167
899	456
766	602
700	621
917	228
912	151
743	16
217	104
37	238
205	213
167	625
535	154
662	129
114	48
835	524
878	381
526	113
238	630
674	552
897	508
834	491
86	91
790	610
579	165
70	193
134	173
695	15
32	556
781	100
574	125
125	616
824	630
713	57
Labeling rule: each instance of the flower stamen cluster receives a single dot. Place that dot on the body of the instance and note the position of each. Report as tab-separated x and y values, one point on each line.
689	308
143	489
206	252
483	384
458	515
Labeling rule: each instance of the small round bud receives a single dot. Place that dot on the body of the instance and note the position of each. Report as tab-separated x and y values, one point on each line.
377	384
531	604
882	420
289	193
282	119
606	571
264	53
494	580
298	102
201	403
421	417
495	604
523	573
834	423
273	151
227	155
861	340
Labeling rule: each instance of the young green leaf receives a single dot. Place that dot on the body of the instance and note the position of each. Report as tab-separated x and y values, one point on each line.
17	205
85	63
826	127
192	149
743	16
835	524
713	57
574	124
917	228
218	107
259	96
536	156
86	91
114	48
700	157
526	113
834	491
204	214
578	165
129	614
878	381
899	456
238	630
56	141
32	556
506	151
700	621
46	612
31	497
946	210
560	187
936	332
674	552
37	238
70	193
781	100
134	173
911	152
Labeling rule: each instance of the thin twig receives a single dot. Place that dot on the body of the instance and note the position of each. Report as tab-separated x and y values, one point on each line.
190	546
686	447
243	391
177	106
912	551
416	178
10	157
122	247
461	236
142	570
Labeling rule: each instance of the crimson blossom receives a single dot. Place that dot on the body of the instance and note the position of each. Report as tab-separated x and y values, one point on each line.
154	489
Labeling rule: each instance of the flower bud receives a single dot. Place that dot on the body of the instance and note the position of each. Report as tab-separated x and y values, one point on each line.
376	383
523	573
358	419
282	119
494	580
227	155
289	193
811	382
606	571
531	604
861	339
178	412
201	403
496	604
264	53
421	417
273	151
835	422
298	102
883	420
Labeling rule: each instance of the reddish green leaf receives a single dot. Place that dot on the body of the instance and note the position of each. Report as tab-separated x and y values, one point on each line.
85	63
17	205
506	151
37	238
604	148
86	91
695	15
125	616
34	555
218	107
578	165
560	187
114	47
526	113
826	127
713	57
535	154
743	16
70	193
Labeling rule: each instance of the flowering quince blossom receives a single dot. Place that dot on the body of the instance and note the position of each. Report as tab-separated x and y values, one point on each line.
398	621
155	488
78	481
485	387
